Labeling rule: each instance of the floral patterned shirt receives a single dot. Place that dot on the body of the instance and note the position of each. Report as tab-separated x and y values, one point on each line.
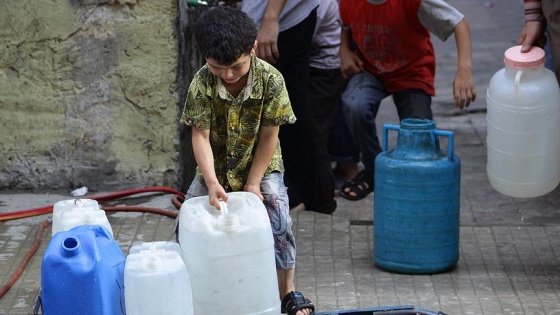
234	122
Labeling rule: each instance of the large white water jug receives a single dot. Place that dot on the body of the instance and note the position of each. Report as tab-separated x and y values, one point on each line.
523	116
71	213
156	280
229	254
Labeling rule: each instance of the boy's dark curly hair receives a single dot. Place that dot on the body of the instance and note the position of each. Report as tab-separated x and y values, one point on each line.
224	33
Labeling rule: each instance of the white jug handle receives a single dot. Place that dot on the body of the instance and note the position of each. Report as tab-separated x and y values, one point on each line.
516	81
79	203
223	207
228	222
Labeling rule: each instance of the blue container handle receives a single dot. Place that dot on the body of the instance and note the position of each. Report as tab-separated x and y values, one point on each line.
386	128
439	133
450	141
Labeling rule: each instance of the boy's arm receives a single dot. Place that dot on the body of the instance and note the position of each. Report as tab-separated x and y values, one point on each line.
265	147
535	24
350	63
205	160
463	85
267	36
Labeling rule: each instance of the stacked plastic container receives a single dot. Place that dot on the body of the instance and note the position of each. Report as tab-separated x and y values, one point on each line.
523	116
156	280
82	273
71	213
224	257
83	266
230	256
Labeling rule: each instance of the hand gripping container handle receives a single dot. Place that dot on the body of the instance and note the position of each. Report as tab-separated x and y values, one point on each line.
439	133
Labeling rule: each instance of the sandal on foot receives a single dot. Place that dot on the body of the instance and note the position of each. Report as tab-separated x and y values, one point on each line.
361	185
295	301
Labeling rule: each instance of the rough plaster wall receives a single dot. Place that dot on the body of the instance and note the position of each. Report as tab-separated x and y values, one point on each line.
87	93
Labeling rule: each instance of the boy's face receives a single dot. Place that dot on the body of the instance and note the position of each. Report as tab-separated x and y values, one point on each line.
236	70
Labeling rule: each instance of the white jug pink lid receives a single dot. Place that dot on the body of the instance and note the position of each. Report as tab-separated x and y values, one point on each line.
513	57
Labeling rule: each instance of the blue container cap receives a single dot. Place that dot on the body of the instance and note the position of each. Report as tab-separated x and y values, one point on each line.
70	246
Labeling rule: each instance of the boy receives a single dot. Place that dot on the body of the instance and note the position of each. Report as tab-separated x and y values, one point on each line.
394	56
235	105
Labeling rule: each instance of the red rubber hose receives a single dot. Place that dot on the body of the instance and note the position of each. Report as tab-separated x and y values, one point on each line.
129	192
177	200
26	259
48	209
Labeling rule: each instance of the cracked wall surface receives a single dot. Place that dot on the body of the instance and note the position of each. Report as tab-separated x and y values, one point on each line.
88	94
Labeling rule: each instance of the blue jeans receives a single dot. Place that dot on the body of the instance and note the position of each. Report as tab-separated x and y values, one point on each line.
341	144
360	102
276	203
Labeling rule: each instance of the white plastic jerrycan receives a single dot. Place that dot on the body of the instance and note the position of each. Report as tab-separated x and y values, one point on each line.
523	116
71	213
229	254
156	280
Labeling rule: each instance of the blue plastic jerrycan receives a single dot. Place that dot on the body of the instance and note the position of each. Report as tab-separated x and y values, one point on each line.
83	273
416	201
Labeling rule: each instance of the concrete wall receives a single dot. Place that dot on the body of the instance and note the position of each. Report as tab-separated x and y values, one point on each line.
88	94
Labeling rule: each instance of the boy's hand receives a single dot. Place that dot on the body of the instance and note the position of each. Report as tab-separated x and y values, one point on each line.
255	189
463	89
267	41
350	64
215	193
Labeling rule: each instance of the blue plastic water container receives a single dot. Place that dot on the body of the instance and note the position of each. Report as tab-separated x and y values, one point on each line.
416	201
83	273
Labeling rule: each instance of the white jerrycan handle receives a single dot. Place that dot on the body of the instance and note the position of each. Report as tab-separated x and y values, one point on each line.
78	203
228	222
516	82
223	207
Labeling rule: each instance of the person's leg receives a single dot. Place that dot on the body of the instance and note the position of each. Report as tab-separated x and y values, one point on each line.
298	140
551	11
325	90
341	145
413	104
342	151
360	101
286	281
277	205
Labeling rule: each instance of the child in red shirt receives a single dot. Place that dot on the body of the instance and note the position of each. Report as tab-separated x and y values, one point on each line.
394	55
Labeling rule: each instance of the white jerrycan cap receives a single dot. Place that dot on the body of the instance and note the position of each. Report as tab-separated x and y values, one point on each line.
514	58
228	222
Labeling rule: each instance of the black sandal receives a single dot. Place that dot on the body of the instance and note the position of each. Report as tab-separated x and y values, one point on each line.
361	185
295	301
